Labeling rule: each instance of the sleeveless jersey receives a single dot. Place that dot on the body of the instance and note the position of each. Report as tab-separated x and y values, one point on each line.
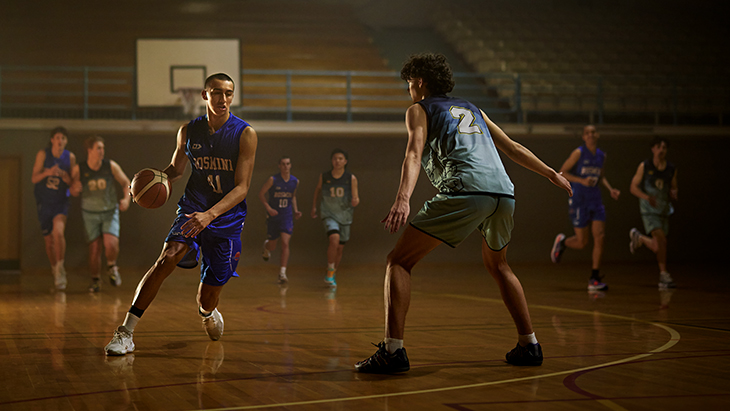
99	188
588	165
658	184
52	189
337	197
281	194
459	155
213	158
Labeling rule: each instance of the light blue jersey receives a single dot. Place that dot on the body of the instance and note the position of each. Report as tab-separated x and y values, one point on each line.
460	156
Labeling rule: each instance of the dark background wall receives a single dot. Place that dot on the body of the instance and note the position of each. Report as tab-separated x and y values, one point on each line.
697	229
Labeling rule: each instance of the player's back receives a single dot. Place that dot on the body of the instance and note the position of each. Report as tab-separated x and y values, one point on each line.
460	155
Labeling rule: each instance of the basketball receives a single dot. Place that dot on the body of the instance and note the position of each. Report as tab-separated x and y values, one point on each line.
150	188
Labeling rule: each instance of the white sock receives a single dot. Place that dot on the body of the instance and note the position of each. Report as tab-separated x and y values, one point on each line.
331	266
392	344
59	265
282	271
527	339
130	321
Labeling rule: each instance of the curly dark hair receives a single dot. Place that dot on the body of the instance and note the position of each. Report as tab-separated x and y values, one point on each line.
432	68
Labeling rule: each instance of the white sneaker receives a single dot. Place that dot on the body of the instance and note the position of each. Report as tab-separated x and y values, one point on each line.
59	278
266	254
635	242
121	342
114	277
666	281
213	325
282	278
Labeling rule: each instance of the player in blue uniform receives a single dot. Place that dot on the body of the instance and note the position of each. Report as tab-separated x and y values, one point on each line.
221	149
655	184
95	179
338	195
52	179
281	209
585	170
457	145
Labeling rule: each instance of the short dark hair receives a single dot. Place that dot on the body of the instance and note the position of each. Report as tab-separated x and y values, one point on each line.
432	68
59	129
340	151
283	157
218	76
90	141
658	140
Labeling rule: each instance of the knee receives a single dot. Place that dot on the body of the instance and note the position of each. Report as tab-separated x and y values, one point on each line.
598	237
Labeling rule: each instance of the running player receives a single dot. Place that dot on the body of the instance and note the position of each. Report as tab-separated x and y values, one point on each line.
457	145
52	179
655	183
221	149
339	196
281	209
95	179
585	169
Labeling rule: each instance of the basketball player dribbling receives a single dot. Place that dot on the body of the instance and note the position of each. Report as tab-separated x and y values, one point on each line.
221	149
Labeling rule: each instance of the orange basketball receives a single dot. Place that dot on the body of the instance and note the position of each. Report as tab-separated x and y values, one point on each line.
150	188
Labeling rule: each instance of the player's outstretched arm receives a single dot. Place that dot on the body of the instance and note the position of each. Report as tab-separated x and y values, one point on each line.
317	192
262	196
417	127
244	170
123	180
179	159
524	157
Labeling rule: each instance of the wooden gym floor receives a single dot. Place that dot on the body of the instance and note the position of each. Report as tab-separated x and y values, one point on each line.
630	348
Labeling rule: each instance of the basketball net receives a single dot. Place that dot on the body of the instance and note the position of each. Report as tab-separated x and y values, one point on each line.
190	99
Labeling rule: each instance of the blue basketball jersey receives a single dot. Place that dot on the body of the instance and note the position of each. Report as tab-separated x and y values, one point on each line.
281	194
588	165
459	155
213	158
53	189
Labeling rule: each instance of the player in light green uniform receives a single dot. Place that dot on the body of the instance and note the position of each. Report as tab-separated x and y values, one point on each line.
95	180
339	197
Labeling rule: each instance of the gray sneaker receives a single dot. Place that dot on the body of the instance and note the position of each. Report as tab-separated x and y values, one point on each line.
213	325
635	242
666	281
121	342
114	277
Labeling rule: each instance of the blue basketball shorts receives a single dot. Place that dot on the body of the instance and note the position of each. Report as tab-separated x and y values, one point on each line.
451	218
47	212
279	224
218	255
582	213
333	227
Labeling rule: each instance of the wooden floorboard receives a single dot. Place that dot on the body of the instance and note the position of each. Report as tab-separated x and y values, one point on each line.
632	347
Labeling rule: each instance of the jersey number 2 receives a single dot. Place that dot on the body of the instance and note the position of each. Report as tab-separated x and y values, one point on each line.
466	120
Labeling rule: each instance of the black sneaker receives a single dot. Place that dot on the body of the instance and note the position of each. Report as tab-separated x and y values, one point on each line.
382	362
531	354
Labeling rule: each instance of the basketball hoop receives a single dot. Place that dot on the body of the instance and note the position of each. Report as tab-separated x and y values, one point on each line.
190	99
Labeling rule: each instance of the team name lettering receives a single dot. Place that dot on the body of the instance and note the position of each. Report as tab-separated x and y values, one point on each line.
282	195
590	171
213	163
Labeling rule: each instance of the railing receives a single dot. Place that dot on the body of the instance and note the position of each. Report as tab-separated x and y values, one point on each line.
289	95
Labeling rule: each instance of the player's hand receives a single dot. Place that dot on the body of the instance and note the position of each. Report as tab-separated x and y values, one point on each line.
397	216
314	212
297	215
124	203
562	182
615	193
54	171
196	223
652	201
272	212
673	193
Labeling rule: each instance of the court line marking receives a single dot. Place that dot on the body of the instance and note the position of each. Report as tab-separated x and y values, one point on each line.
673	340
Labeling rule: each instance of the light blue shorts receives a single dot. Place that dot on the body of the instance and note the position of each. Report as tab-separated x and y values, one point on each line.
333	227
655	221
451	218
102	222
